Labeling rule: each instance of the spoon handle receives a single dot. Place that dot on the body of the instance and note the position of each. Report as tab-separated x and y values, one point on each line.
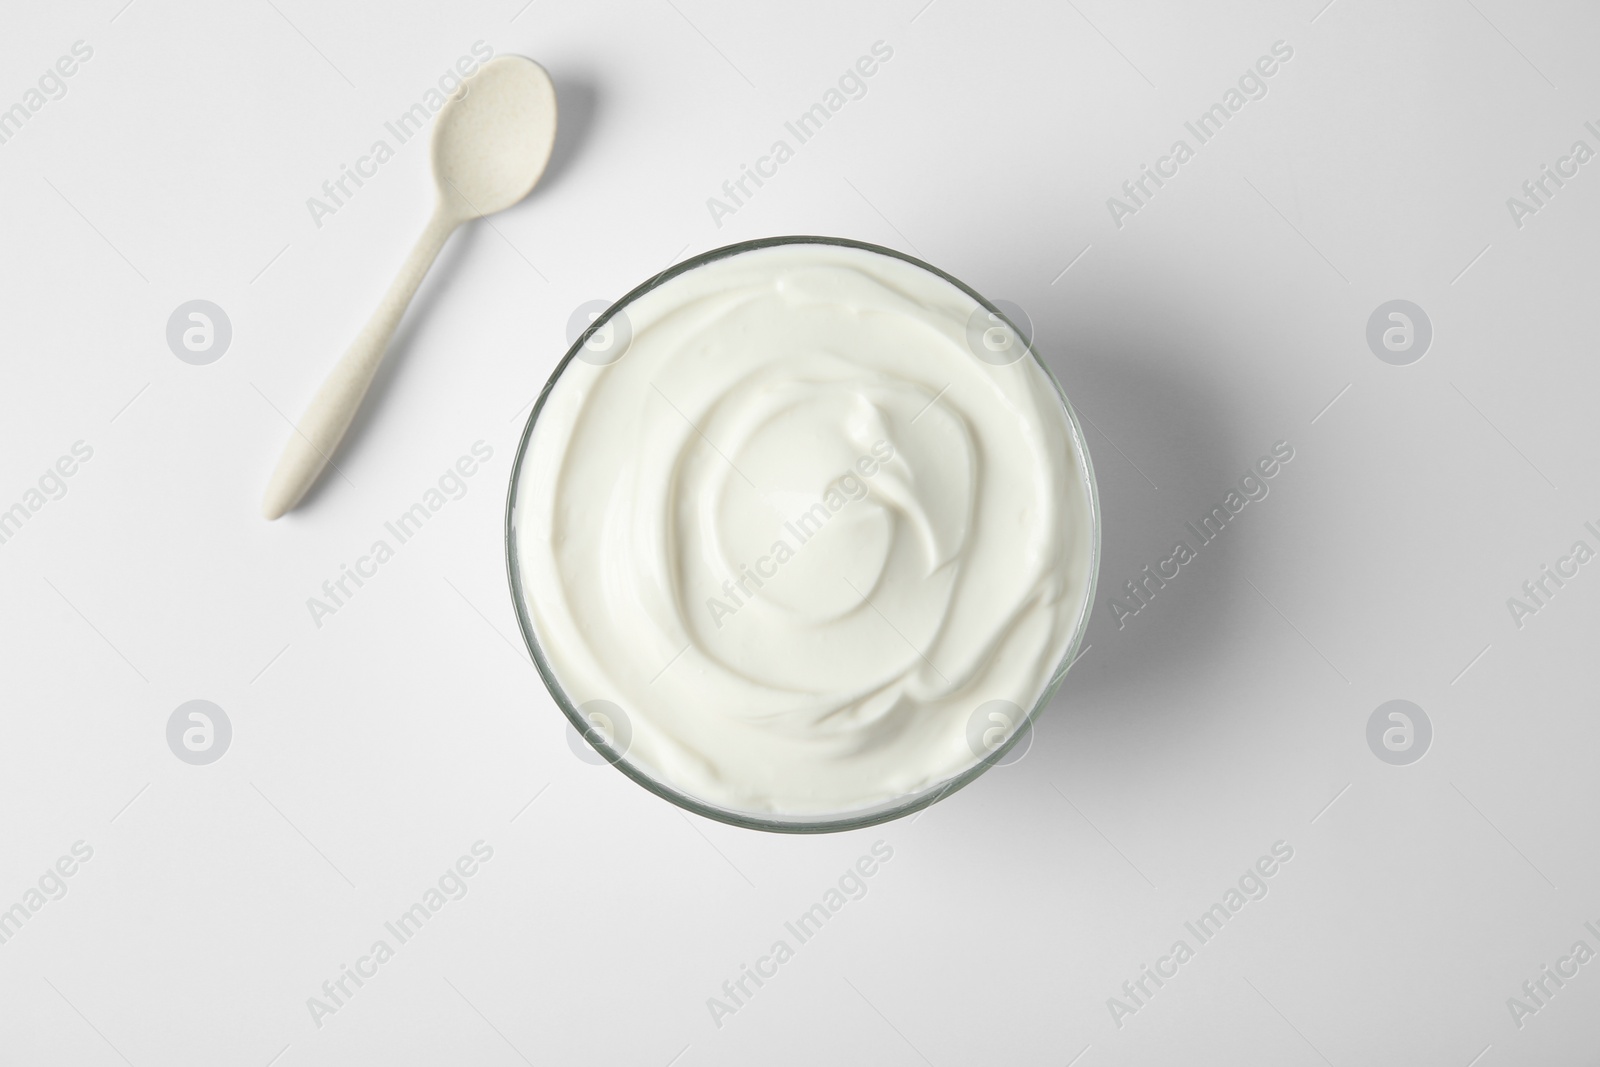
332	409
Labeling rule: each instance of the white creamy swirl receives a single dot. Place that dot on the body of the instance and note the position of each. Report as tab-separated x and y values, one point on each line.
798	532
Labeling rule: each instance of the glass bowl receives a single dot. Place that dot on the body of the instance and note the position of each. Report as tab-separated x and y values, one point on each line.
854	818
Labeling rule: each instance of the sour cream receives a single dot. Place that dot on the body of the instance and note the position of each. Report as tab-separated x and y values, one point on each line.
795	517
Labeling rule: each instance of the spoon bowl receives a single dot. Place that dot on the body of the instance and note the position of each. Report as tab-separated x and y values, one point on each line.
492	142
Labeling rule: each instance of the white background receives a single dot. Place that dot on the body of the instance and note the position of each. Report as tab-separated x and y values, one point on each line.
369	753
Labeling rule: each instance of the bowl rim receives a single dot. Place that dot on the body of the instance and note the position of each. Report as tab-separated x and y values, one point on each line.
858	818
